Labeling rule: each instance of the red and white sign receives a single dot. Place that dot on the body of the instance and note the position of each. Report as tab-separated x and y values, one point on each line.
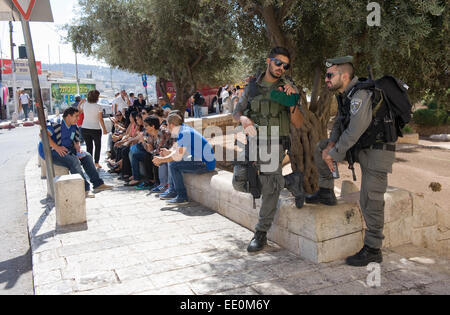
22	66
25	7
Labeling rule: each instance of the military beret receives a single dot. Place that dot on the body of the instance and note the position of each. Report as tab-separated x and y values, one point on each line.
338	61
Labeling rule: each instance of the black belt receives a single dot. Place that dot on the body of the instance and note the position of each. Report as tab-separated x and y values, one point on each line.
383	146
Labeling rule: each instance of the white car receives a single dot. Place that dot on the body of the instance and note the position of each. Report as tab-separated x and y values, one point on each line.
106	106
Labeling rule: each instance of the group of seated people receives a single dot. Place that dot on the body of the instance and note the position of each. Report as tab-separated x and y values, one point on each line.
165	145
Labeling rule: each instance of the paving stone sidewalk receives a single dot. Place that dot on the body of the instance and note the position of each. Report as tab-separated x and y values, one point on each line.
135	244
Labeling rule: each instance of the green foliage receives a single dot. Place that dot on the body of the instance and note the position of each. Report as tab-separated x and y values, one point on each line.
407	130
189	42
411	43
429	117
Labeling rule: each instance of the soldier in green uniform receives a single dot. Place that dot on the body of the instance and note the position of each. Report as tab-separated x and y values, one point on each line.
256	111
353	123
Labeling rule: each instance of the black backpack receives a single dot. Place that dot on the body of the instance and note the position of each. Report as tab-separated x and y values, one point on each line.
390	105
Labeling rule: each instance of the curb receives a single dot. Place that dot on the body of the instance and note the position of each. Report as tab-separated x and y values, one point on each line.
37	212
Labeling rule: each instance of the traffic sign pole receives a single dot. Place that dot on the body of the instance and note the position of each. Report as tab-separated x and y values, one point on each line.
144	83
40	108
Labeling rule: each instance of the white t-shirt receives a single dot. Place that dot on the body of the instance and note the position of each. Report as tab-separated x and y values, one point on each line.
121	104
24	98
91	116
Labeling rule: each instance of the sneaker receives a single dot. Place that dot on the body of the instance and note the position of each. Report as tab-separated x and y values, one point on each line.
142	186
102	188
178	201
89	194
160	189
168	195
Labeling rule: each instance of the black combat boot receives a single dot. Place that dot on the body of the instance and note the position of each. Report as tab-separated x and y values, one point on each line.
294	183
366	256
325	196
258	242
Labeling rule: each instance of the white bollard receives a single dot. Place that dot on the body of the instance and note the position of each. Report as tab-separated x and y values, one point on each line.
70	200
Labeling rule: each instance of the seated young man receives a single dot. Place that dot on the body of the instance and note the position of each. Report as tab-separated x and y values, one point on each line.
191	154
66	151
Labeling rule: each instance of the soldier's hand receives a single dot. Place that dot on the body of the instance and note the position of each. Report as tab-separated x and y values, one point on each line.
329	161
288	90
248	125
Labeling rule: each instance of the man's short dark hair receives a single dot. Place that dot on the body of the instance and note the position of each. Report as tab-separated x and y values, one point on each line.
69	111
148	109
347	68
153	121
279	51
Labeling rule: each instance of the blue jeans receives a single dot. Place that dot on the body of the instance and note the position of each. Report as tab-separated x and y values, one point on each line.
136	156
74	164
163	173
197	111
25	110
176	170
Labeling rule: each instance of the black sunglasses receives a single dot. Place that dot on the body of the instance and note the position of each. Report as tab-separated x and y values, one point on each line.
279	63
330	75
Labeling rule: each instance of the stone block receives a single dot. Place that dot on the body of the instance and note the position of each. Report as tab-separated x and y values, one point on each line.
398	204
409	139
424	213
284	238
397	233
425	237
70	201
443	219
59	170
330	250
443	248
348	187
320	223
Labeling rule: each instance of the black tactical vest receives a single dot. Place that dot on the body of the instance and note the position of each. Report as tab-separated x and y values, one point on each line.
376	132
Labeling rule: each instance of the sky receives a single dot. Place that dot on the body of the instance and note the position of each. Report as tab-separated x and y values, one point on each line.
47	38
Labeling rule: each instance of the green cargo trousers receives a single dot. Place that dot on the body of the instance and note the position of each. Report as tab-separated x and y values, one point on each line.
375	165
272	183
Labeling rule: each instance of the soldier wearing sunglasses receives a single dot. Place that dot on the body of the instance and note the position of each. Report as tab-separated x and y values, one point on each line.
256	108
355	121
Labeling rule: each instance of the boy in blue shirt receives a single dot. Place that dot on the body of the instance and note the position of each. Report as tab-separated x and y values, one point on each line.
64	141
191	154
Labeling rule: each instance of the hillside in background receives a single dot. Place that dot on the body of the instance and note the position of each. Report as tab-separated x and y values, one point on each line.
104	75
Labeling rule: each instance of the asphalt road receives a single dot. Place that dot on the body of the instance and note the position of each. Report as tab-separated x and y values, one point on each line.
16	148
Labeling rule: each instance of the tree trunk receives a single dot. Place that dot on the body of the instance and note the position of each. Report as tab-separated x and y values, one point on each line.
162	84
184	90
305	139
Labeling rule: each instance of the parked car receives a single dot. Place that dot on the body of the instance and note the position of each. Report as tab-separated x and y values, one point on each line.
106	107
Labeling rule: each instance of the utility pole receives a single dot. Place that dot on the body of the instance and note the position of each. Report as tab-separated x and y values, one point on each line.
111	79
13	67
49	60
59	53
76	71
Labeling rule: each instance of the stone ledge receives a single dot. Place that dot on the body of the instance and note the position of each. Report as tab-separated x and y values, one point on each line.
317	233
